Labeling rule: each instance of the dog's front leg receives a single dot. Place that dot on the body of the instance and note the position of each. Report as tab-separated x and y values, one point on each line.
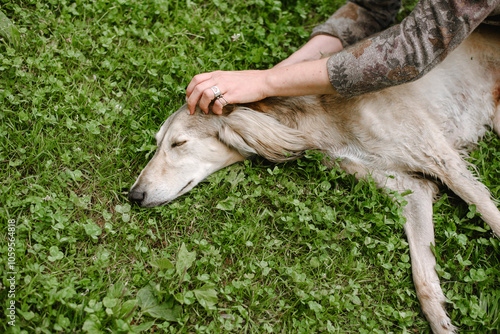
419	230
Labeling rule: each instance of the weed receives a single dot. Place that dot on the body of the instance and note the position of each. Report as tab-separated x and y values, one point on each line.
291	248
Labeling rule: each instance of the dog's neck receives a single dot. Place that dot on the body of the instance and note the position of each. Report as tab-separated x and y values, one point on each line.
330	116
298	123
288	110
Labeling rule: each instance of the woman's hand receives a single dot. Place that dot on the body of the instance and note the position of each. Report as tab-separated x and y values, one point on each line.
303	73
304	78
235	87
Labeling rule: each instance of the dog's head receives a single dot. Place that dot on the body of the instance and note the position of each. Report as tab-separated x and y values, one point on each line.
191	147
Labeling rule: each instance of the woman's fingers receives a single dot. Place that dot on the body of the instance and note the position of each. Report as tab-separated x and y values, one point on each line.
206	98
197	92
197	79
217	107
202	95
233	87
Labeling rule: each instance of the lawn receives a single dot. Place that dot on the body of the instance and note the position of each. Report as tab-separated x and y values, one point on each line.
256	248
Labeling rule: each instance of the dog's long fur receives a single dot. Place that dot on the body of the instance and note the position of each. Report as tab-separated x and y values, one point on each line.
416	133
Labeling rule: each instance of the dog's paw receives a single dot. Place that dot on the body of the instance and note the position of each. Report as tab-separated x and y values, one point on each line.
444	326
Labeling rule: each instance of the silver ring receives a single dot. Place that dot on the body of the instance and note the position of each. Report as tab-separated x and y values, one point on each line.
216	91
224	102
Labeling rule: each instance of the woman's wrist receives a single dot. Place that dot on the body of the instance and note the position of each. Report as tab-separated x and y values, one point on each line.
304	78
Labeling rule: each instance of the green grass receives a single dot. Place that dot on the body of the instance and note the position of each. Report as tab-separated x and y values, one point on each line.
257	248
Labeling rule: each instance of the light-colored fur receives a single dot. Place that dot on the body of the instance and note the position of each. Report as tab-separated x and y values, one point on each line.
415	133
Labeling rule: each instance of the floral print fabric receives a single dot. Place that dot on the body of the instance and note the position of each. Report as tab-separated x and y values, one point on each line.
402	52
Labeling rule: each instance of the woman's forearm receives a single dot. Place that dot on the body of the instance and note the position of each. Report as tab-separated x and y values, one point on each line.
302	78
316	48
304	73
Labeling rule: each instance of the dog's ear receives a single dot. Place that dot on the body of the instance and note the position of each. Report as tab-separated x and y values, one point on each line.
252	132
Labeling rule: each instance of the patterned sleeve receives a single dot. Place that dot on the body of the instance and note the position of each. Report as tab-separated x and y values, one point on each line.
358	19
406	51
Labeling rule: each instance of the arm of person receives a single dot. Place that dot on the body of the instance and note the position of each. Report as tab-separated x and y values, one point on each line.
300	78
304	72
409	50
358	19
317	47
303	78
352	22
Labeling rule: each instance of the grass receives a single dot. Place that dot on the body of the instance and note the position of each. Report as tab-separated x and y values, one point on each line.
257	248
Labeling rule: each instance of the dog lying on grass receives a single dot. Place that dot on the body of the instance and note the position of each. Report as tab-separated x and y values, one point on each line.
416	133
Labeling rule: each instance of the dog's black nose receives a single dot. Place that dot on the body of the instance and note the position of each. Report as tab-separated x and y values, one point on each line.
136	196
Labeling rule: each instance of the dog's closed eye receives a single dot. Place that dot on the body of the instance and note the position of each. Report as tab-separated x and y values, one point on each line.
178	143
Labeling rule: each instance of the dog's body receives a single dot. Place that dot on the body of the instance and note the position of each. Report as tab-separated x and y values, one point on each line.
415	133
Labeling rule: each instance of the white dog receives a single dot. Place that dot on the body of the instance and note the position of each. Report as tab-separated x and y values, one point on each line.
416	133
